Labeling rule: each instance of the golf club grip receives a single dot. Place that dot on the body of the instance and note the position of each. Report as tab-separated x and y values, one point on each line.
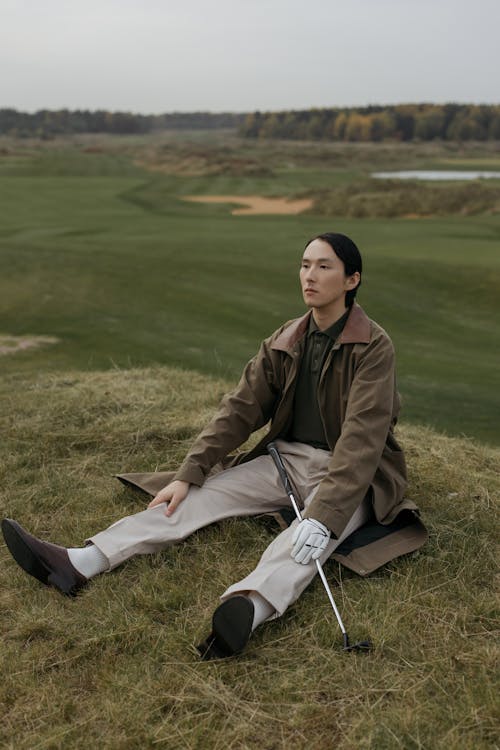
275	455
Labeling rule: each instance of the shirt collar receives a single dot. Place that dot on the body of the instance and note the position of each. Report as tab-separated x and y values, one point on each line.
332	331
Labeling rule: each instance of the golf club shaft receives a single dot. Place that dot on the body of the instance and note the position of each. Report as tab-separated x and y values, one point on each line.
275	455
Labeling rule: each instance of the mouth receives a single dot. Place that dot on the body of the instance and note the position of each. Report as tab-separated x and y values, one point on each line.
310	291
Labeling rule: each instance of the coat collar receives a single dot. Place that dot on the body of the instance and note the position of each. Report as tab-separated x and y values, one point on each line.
356	330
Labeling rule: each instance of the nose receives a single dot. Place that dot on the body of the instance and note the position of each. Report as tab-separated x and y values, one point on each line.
309	275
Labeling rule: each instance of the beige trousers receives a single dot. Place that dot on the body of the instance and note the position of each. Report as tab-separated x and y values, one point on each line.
248	489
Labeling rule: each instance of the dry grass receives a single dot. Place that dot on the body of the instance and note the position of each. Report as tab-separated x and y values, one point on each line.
408	198
116	668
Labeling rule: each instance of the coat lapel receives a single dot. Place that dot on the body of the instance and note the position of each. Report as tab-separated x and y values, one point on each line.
293	333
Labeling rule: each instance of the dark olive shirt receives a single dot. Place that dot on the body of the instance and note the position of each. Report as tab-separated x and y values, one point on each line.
307	426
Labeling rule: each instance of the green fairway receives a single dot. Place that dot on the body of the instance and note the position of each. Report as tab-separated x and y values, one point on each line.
105	255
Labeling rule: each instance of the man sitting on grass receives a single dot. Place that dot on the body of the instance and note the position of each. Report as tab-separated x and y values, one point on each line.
326	384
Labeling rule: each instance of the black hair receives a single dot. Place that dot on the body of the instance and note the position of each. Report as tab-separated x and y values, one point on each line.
345	249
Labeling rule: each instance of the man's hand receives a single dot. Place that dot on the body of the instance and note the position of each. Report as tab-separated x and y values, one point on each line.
173	494
309	540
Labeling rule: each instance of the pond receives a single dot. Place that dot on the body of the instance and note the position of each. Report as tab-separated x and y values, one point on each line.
425	174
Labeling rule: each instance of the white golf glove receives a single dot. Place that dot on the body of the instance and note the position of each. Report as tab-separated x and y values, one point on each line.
309	540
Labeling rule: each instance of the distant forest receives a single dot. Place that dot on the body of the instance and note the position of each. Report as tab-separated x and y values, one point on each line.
403	122
48	123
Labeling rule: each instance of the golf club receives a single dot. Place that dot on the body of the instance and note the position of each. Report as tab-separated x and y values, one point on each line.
275	455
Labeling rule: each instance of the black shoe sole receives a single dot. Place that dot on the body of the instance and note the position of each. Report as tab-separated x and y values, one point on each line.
231	628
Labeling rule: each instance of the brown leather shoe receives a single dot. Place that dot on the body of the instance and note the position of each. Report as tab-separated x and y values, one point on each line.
47	562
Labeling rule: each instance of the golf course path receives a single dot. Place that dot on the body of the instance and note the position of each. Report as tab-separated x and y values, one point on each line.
253	205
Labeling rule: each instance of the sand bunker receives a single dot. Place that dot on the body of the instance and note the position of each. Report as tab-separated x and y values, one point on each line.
14	344
255	204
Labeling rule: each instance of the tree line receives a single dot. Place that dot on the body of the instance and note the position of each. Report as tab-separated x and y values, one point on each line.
48	123
402	122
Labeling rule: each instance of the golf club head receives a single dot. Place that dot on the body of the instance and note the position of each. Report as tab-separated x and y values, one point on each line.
363	646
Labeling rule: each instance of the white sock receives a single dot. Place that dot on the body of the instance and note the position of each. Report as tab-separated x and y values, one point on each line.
262	609
89	561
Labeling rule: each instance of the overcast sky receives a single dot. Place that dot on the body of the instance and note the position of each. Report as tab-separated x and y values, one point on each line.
156	56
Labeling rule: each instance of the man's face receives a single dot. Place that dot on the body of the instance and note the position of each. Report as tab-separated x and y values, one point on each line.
323	279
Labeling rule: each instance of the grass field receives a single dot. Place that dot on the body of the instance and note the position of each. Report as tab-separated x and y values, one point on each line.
156	304
105	255
116	668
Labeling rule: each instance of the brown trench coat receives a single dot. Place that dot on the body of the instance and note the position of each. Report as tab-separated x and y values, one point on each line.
359	406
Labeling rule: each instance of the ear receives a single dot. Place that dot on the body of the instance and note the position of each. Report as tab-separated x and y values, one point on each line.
352	281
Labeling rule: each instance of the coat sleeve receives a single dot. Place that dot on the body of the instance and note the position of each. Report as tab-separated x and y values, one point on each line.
358	450
242	411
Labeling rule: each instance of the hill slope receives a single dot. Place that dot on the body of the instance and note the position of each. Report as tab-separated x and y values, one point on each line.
116	668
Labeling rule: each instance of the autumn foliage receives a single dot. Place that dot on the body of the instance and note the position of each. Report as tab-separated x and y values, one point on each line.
404	122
